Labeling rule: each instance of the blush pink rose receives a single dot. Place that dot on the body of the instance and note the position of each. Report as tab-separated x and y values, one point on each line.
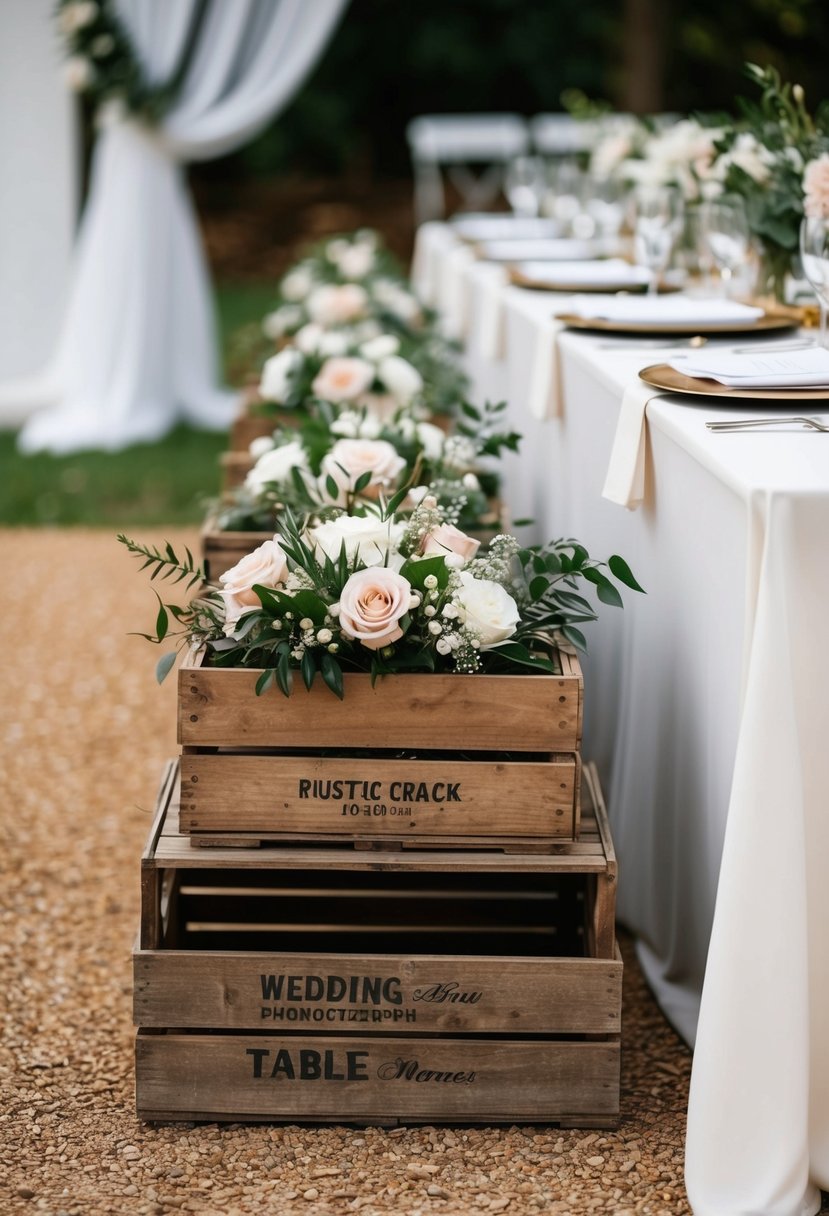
371	606
449	541
266	566
329	305
343	378
349	459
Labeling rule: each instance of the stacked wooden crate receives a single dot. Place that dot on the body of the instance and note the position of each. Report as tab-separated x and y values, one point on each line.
345	917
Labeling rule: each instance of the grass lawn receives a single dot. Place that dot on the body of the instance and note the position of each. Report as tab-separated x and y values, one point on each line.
158	483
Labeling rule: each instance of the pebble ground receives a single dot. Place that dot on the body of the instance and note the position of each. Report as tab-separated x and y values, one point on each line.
85	732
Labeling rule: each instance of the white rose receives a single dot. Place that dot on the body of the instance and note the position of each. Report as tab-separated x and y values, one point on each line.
78	73
297	283
335	249
380	347
395	299
329	305
349	459
376	541
277	323
266	566
401	379
365	330
332	342
355	261
307	339
353	425
343	379
73	17
258	447
275	466
488	609
432	439
278	374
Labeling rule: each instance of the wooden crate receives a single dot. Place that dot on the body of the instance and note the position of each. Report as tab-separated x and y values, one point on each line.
248	774
217	708
515	803
446	986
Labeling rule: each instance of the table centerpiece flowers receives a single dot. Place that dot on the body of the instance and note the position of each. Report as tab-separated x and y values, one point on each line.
386	595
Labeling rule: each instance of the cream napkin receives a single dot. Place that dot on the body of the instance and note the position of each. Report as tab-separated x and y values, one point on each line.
562	249
545	398
807	368
625	480
607	274
666	310
492	227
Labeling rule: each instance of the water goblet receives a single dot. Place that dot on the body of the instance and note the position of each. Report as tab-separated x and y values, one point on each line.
659	216
524	185
814	254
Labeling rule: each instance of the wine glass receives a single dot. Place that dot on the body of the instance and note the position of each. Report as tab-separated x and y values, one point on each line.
659	216
814	253
725	236
524	185
605	204
563	194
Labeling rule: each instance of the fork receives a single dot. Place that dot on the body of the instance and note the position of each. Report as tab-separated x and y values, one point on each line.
746	423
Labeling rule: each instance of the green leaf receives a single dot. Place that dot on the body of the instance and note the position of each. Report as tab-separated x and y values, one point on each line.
621	570
418	571
574	636
162	622
538	586
265	680
362	481
164	666
332	674
308	667
284	675
608	594
516	653
331	487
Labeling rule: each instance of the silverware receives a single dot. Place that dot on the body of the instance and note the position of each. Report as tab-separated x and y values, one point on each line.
744	424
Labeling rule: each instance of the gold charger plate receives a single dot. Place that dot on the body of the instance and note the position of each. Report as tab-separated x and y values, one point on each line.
665	377
770	321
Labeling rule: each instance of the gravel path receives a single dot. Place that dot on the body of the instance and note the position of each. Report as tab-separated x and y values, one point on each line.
86	731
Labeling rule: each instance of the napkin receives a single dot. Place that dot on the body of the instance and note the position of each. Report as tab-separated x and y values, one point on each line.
808	368
544	394
563	250
666	310
483	227
625	479
608	273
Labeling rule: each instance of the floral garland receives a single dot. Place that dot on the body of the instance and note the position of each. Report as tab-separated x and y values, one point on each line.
102	63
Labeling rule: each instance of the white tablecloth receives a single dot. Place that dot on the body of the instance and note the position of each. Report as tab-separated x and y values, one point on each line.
707	710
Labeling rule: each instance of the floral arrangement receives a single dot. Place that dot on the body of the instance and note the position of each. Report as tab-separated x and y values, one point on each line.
383	595
102	63
346	458
681	155
343	366
774	157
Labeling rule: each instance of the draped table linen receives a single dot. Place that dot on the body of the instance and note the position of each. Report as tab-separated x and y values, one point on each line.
707	711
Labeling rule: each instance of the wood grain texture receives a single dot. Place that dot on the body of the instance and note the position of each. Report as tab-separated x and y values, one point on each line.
511	713
194	1075
414	993
300	797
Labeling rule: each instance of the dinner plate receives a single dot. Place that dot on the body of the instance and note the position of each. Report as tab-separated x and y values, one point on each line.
663	376
474	228
769	322
601	287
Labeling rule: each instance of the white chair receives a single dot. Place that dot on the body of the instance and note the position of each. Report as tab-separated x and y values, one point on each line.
454	142
561	134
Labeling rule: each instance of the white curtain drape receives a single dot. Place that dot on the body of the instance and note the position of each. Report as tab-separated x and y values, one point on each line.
137	351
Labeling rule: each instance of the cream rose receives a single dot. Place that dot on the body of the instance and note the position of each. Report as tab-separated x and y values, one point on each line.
343	379
816	188
354	424
488	609
372	604
401	379
380	347
395	299
274	466
375	541
330	305
432	440
266	566
349	459
454	545
277	375
277	323
355	261
297	284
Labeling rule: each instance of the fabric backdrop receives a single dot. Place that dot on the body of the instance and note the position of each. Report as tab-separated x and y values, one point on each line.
137	351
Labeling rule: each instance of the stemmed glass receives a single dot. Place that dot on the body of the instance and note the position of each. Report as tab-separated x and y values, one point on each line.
725	236
524	185
659	215
563	194
605	205
814	253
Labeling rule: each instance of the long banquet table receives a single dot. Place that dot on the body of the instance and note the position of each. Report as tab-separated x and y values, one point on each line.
707	711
